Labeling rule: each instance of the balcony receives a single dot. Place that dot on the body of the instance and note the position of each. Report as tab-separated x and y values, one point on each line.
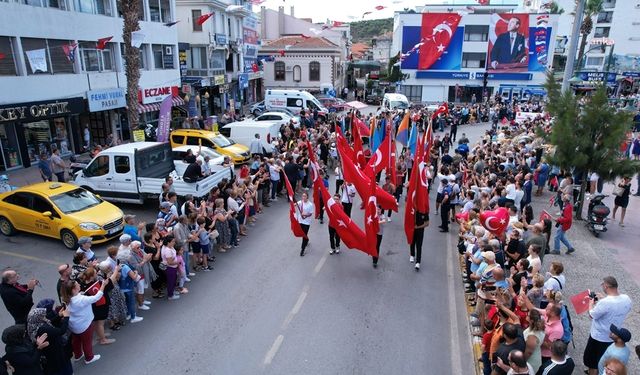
609	4
204	72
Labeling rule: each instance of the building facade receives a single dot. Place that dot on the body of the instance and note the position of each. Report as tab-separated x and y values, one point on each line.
58	81
461	44
305	64
217	57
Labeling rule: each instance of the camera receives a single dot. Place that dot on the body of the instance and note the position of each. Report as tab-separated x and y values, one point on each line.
593	296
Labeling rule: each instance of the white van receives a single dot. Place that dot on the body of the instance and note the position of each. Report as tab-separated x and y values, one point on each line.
394	101
244	132
293	100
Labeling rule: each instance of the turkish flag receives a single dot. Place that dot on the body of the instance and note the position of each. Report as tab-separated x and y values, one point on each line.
358	149
102	42
580	302
295	224
436	33
255	68
203	18
380	159
343	146
483	2
93	289
361	182
371	220
409	210
316	178
350	233
363	129
443	108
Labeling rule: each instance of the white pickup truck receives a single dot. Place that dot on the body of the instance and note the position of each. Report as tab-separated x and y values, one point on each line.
132	172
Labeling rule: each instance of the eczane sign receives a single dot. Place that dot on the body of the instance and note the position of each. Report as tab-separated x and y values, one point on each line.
154	94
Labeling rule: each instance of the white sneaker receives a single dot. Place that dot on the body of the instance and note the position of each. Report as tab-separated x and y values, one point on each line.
146	302
417	266
191	274
187	279
128	317
174	297
94	359
389	219
137	319
144	307
338	250
74	359
331	251
411	259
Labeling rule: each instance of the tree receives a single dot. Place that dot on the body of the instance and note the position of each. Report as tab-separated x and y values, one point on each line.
555	8
394	73
591	9
587	138
131	15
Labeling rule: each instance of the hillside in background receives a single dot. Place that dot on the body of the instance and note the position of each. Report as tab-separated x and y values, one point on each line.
363	31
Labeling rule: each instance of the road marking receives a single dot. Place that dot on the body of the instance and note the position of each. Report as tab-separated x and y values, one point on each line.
296	307
320	264
28	257
456	367
274	349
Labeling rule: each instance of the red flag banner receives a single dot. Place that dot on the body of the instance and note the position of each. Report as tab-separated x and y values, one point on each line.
295	224
343	146
102	42
580	302
372	220
436	33
443	108
350	233
358	149
380	159
203	18
93	289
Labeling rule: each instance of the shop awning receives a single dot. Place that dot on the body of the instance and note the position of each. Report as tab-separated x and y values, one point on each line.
176	101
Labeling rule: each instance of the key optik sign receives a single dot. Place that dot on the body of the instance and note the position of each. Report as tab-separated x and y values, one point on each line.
35	111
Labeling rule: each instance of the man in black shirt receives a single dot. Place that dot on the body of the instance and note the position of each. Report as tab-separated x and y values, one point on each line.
561	363
512	341
17	298
292	170
421	222
193	172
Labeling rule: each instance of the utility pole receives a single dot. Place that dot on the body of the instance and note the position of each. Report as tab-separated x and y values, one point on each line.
573	45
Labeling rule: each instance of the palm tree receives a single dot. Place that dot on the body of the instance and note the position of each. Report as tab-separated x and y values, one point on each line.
554	8
591	9
131	15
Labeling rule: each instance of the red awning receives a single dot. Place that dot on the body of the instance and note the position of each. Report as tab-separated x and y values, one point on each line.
176	101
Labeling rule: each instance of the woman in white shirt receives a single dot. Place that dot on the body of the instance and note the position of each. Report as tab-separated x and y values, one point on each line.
304	215
169	259
81	318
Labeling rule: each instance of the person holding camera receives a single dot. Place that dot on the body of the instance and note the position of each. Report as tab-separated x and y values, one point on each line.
605	309
17	298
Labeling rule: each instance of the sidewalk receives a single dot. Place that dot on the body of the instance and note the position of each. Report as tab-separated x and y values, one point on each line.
25	176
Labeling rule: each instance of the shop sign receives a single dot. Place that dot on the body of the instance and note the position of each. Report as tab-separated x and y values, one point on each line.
243	80
34	111
104	100
219	80
597	76
631	74
138	135
221	39
156	94
182	59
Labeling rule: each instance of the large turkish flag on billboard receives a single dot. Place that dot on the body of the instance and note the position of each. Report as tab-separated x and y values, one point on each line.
435	34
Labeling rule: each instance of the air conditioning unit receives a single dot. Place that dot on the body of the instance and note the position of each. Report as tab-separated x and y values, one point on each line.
168	50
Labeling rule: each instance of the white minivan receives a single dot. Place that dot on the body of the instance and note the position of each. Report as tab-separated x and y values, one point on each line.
293	100
393	101
244	132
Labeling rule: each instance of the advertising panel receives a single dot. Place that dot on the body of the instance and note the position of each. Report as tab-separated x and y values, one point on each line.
508	42
450	59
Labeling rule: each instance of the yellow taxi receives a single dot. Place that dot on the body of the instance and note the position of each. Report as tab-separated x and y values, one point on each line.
194	137
59	210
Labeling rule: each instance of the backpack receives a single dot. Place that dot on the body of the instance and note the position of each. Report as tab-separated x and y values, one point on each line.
567	336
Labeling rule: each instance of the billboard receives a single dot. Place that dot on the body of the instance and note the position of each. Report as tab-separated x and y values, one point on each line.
508	42
450	57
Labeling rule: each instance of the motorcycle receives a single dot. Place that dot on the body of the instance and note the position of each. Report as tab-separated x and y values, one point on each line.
597	213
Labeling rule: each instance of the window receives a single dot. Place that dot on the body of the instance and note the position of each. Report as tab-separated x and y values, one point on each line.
297	73
294	102
609	4
36	56
413	93
159	10
594	61
8	64
41	205
59	61
177	139
473	59
601	32
162	56
94	6
193	141
217	60
278	73
199	58
59	4
99	167
19	199
314	71
195	14
141	51
122	164
95	60
605	17
476	33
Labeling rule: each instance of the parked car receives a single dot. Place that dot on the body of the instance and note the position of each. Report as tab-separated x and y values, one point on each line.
244	132
59	210
216	160
238	153
333	104
280	117
258	108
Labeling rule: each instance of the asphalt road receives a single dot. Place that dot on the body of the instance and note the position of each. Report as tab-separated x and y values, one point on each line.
266	310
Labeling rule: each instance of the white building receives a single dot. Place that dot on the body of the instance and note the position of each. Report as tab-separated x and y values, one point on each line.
381	48
277	24
619	22
305	64
217	56
51	96
458	74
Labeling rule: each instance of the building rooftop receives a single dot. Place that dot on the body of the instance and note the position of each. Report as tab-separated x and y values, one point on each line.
298	41
358	49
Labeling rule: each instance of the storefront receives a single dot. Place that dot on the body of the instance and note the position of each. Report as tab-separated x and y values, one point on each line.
105	117
29	129
149	104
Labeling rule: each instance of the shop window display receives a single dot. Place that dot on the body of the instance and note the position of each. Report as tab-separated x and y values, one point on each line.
41	136
10	155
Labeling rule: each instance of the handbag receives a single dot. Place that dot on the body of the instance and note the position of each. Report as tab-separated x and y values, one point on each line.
213	234
618	191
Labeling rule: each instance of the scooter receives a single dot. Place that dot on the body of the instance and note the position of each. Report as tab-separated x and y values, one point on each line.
5	186
597	215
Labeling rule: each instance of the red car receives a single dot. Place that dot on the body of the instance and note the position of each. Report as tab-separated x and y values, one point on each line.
333	104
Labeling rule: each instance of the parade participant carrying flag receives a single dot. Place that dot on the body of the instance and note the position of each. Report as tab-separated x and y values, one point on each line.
410	212
403	130
316	180
371	222
413	137
443	108
380	158
295	224
344	145
357	141
355	176
422	167
372	127
391	165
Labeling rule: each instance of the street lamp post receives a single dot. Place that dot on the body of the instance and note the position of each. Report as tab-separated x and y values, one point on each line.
573	45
